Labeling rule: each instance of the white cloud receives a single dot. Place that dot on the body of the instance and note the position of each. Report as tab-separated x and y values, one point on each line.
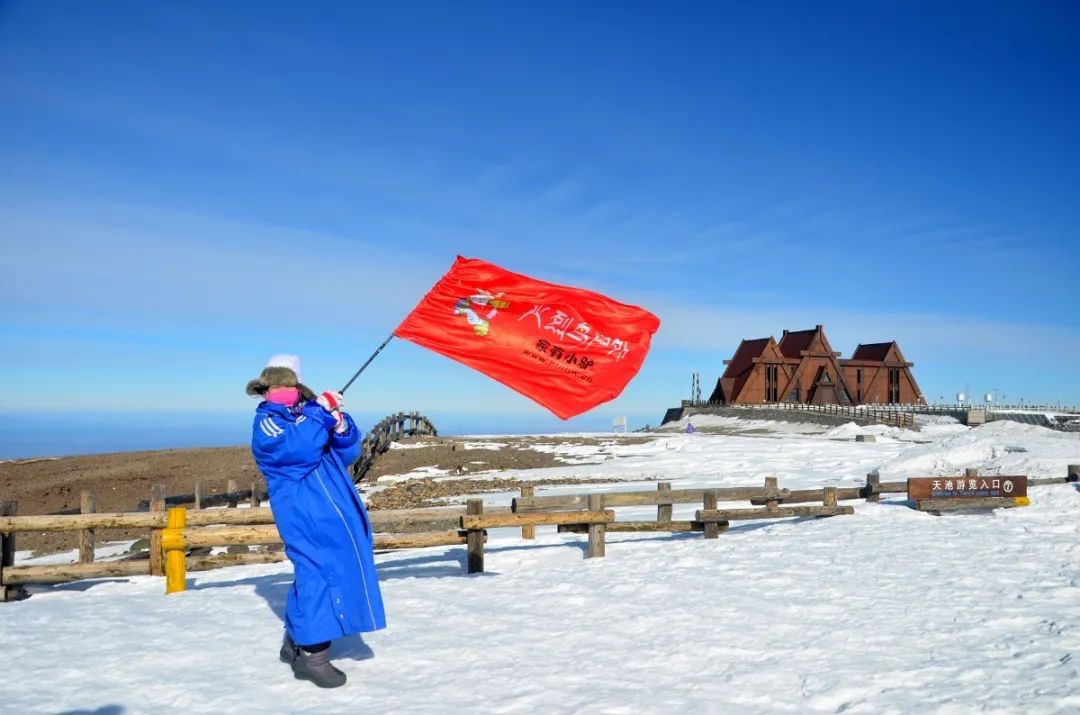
120	265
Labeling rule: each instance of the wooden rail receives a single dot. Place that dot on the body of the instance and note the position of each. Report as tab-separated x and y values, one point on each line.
662	496
538	519
709	515
250	527
177	538
573	513
210	517
665	496
475	522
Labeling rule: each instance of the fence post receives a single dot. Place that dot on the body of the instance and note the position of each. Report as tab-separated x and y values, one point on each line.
710	502
172	540
254	494
830	496
1073	473
529	530
7	551
596	531
200	492
86	536
157	558
873	487
771	489
663	511
474	539
231	488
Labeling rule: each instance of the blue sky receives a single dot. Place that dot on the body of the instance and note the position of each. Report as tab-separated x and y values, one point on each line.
187	188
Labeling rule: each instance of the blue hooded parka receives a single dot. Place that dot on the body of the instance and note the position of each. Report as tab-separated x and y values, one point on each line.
322	521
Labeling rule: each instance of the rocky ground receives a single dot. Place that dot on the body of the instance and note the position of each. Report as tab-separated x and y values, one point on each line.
120	481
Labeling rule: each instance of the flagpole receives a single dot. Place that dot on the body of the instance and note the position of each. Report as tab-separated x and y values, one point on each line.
362	367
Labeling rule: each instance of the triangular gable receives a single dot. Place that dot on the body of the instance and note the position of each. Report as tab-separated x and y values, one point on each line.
738	366
825	390
817	347
747	356
820	344
743	359
894	355
795	342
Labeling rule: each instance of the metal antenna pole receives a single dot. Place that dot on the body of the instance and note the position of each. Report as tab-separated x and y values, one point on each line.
362	367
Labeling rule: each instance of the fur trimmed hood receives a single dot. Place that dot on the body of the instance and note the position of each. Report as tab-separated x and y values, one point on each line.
277	375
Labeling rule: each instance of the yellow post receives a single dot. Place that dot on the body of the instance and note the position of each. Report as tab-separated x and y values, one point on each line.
172	543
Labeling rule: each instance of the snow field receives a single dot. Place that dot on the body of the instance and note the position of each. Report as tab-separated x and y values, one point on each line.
886	611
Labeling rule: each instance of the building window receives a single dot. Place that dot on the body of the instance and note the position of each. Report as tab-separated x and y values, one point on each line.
894	385
858	375
772	383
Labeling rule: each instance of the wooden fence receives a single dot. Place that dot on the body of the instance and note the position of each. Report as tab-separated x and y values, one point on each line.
178	534
198	529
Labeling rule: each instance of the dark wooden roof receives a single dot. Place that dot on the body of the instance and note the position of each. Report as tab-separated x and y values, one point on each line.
872	351
795	341
743	359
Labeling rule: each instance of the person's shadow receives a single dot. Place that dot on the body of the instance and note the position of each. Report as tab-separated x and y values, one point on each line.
274	589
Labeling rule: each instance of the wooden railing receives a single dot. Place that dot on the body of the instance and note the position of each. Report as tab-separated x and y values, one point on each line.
426	527
181	532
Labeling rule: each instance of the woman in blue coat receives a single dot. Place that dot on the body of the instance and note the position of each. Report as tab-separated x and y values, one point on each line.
303	445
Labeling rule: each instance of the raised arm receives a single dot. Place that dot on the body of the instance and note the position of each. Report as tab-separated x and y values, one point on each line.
293	448
346	444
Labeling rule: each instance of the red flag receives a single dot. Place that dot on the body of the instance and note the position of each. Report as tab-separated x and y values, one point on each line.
567	348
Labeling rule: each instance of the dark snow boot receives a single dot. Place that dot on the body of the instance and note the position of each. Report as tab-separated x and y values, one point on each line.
288	649
317	668
314	666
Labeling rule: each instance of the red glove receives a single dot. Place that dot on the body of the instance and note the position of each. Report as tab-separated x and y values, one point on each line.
330	401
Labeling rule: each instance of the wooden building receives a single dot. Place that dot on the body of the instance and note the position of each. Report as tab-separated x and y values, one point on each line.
804	368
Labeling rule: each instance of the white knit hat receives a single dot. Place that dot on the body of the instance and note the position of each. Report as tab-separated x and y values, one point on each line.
286	360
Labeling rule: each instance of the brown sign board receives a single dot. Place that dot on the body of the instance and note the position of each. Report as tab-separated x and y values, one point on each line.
980	487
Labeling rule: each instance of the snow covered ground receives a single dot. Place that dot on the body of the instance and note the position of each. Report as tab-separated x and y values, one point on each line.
886	611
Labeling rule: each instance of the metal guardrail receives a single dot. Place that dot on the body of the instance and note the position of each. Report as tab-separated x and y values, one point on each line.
901	408
896	418
390	429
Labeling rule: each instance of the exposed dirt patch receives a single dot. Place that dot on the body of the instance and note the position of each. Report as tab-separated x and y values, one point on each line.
428	491
121	480
501	453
